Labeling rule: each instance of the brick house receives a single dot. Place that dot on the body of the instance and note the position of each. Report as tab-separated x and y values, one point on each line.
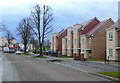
93	42
80	29
67	43
53	44
113	41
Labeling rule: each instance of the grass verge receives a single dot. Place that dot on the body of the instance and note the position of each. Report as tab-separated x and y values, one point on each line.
39	57
94	60
114	74
26	54
65	56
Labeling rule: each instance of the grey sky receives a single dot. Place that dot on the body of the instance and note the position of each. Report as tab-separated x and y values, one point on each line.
66	12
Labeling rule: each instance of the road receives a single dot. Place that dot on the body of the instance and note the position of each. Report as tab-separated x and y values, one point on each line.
25	68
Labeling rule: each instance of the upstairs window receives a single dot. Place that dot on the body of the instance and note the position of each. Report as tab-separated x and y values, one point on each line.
110	36
89	40
75	41
83	41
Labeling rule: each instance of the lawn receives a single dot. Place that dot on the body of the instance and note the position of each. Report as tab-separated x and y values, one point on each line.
39	57
26	53
115	74
94	60
65	56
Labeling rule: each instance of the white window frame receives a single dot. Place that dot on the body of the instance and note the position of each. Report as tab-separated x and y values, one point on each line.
110	52
89	40
110	34
83	41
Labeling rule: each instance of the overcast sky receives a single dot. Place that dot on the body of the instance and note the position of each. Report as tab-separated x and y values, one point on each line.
66	12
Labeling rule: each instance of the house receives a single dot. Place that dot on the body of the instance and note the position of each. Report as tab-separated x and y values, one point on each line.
71	45
61	34
13	41
53	44
93	43
67	43
29	47
82	40
3	42
113	42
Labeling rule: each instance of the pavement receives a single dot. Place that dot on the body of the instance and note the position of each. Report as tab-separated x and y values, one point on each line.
0	66
88	66
91	67
25	68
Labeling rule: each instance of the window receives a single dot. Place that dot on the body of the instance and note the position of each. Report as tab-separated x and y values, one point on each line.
89	40
110	36
82	50
75	41
110	52
83	41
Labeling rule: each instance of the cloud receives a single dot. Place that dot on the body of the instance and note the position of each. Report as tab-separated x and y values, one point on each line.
66	12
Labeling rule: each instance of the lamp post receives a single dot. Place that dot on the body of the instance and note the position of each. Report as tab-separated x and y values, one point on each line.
105	59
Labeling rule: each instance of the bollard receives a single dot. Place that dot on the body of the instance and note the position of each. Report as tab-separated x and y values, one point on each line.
108	59
51	54
82	57
105	59
59	53
74	56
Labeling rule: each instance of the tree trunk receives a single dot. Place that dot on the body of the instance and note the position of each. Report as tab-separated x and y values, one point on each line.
25	47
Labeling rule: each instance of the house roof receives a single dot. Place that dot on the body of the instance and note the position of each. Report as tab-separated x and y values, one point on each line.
116	25
84	24
60	32
97	27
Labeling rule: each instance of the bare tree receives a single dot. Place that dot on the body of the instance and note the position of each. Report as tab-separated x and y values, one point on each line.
25	32
9	36
41	18
34	42
2	27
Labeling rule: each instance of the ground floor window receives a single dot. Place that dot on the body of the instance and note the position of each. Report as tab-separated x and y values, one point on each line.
110	52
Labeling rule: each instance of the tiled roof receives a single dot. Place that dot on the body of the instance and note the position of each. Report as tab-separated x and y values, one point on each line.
84	24
60	32
98	26
115	25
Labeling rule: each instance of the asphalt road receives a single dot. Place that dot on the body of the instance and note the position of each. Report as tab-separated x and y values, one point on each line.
24	68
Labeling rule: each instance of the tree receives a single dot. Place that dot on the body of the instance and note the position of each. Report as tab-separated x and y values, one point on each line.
2	27
9	36
25	32
41	19
34	42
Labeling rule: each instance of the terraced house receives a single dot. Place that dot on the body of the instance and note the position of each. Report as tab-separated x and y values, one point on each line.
80	29
54	42
67	43
113	42
94	41
83	39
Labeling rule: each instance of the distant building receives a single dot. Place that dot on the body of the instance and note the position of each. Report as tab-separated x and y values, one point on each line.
4	43
29	47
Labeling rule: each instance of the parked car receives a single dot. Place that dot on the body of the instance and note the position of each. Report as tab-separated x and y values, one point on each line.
51	51
18	52
11	51
6	50
21	49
